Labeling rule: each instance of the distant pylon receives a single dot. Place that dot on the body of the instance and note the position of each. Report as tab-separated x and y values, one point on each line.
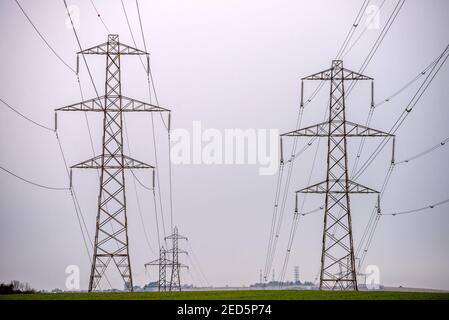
296	273
175	279
111	233
337	243
162	263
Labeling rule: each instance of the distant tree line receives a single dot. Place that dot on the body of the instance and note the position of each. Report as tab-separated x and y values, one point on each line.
282	283
16	286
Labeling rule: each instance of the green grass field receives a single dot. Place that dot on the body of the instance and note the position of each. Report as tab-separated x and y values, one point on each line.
235	295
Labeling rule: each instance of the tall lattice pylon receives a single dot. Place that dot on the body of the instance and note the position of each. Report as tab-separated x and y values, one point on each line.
338	270
111	235
175	278
162	263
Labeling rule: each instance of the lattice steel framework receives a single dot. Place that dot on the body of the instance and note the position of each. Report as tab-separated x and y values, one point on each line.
111	235
175	279
338	270
162	263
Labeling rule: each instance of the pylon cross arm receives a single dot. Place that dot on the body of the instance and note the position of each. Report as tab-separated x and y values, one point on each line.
158	262
122	49
179	251
322	187
322	130
116	103
127	163
129	105
343	74
95	104
154	263
176	236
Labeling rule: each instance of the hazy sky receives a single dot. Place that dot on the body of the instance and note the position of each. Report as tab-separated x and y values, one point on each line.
229	64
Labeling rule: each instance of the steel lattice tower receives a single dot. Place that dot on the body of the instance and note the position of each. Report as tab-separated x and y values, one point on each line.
162	263
111	235
338	270
175	279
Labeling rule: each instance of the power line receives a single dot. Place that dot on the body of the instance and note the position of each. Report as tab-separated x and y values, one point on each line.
197	262
410	106
423	153
139	209
141	183
312	211
364	65
127	273
85	115
32	182
25	117
353	28
167	126
406	161
43	38
271	251
77	207
99	16
364	30
408	84
378	42
374	219
132	34
82	54
367	60
372	109
278	217
152	121
296	215
420	209
78	211
383	101
150	81
343	47
141	26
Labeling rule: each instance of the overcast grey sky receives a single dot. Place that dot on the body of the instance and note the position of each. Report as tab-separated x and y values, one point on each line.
229	64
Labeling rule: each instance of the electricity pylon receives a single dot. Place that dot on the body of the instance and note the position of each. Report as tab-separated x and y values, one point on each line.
175	279
111	235
337	244
296	274
162	263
